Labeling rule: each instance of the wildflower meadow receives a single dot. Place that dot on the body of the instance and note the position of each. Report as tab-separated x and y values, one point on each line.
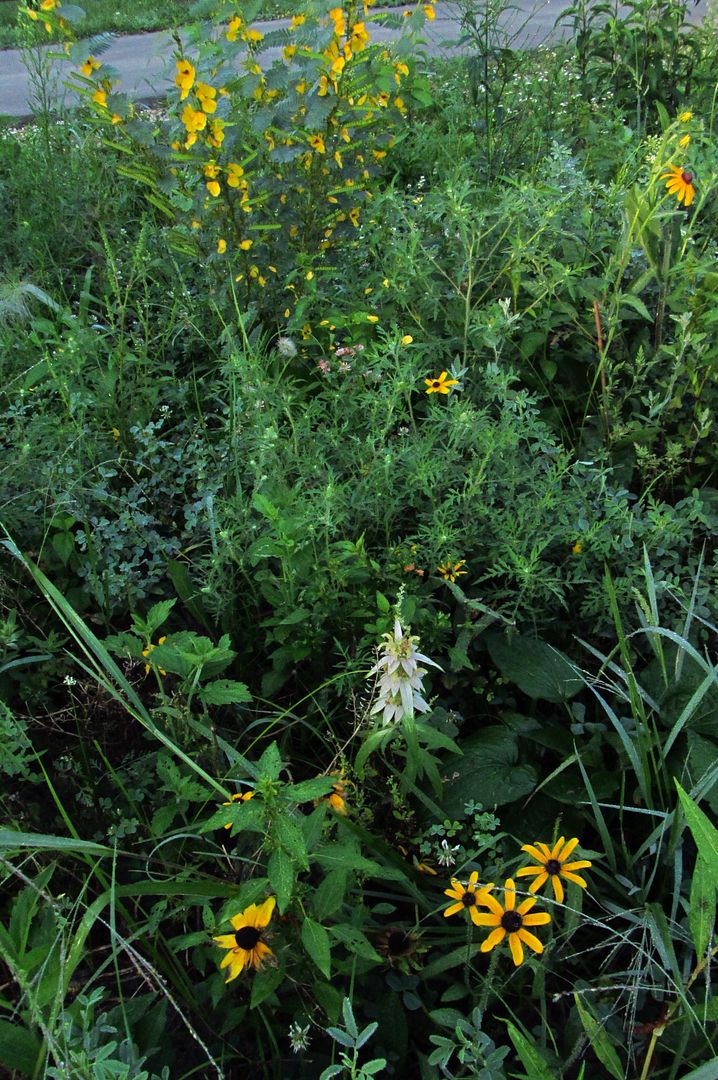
358	558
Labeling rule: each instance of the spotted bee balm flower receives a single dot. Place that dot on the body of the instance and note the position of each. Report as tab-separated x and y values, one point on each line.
400	677
246	946
553	864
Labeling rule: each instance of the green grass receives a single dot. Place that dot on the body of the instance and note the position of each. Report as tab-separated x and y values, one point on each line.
103	15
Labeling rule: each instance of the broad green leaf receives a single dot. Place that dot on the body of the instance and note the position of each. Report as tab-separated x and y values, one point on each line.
704	833
19	1048
536	668
702	912
269	765
264	983
600	1042
308	790
708	1071
315	940
329	896
488	771
532	1060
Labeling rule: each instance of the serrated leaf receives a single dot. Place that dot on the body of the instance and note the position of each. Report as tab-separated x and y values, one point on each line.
329	896
269	765
280	871
308	790
224	692
316	943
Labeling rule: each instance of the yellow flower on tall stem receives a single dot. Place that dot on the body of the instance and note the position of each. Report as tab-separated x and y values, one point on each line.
442	385
450	572
552	864
679	182
246	946
511	920
467	898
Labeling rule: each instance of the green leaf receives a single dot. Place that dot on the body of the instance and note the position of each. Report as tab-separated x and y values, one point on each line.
702	912
308	790
269	765
489	770
224	692
315	940
19	1048
264	984
536	668
280	871
63	544
535	1064
704	833
158	614
10	840
329	897
291	837
600	1042
329	999
355	942
708	1071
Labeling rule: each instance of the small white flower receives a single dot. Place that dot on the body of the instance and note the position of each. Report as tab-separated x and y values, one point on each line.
69	681
400	677
446	853
298	1036
286	348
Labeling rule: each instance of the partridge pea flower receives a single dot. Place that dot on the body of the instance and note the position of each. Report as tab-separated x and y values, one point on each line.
552	864
246	946
511	920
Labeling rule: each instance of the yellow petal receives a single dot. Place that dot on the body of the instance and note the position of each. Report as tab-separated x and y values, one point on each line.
534	853
485	898
509	895
557	888
568	848
494	938
484	918
526	905
576	865
264	911
530	871
453	910
531	940
537	918
226	941
516	949
538	883
576	878
557	847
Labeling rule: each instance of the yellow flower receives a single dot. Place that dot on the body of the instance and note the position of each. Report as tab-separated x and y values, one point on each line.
221	247
245	245
679	182
306	332
241	796
354	217
115	433
429	12
577	548
213	188
246	946
407	339
235	25
184	78
234	174
336	800
297	20
552	864
89	66
193	119
206	95
360	37
148	650
685	117
317	143
449	572
684	142
467	897
372	318
216	133
399	104
49	5
440	385
254	36
100	98
511	920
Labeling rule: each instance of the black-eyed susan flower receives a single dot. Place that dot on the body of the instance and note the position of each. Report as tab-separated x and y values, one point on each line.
148	650
246	946
450	571
442	385
510	920
239	796
397	945
552	864
467	897
679	182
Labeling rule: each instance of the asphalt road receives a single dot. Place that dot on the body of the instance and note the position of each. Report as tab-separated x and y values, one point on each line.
147	70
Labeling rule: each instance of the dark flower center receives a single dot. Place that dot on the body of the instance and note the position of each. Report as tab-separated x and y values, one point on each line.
468	899
436	383
687	177
398	943
247	937
511	921
553	866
